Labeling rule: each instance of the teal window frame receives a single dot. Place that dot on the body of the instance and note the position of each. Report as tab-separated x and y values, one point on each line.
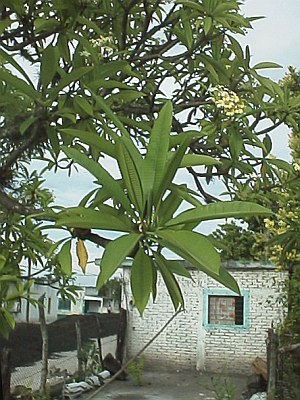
245	293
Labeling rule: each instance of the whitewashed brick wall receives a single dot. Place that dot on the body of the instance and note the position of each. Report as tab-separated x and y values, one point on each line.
188	343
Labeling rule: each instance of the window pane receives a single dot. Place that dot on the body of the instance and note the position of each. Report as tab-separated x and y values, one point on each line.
225	310
64	304
239	310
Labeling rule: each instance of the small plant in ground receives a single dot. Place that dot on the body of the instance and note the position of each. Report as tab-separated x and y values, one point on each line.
135	368
223	388
90	358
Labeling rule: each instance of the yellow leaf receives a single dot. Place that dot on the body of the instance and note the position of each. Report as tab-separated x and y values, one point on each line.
81	254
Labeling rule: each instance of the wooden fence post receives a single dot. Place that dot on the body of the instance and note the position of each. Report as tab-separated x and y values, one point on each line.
79	348
121	335
5	374
272	353
99	341
44	334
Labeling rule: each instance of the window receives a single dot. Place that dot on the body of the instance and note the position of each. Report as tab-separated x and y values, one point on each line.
64	304
223	309
16	307
49	305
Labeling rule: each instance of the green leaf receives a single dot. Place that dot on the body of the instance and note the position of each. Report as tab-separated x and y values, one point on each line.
63	48
187	29
267	142
19	84
8	278
104	178
179	139
130	168
193	247
156	157
235	145
27	123
176	267
80	217
124	96
113	117
49	64
170	281
226	279
83	105
4	328
170	170
200	253
69	78
207	25
141	279
108	70
108	84
94	140
154	283
65	258
191	160
115	253
168	207
2	261
267	83
281	164
264	65
4	23
186	194
223	209
192	4
18	67
236	47
9	318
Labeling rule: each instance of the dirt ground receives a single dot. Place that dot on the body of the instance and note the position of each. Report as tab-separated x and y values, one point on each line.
175	385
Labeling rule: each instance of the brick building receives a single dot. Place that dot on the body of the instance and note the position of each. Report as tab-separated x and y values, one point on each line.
218	331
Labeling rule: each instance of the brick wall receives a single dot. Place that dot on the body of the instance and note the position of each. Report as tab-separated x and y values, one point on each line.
188	342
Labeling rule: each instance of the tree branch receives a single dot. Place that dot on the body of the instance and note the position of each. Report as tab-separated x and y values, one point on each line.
208	197
13	205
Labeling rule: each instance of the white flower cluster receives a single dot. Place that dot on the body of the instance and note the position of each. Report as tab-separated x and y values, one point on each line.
102	42
228	101
296	166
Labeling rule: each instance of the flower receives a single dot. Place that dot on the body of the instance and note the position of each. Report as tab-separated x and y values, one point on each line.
85	53
103	43
296	166
227	101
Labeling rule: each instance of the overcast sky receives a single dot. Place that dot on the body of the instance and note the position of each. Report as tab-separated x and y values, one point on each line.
274	38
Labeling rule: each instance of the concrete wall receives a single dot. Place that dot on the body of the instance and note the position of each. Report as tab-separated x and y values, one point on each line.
189	341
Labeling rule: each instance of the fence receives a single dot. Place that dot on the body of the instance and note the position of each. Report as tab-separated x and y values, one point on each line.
25	346
283	369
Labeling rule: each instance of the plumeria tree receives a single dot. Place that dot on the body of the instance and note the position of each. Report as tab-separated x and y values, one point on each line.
91	79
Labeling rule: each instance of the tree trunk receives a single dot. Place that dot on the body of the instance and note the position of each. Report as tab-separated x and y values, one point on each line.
272	350
5	374
99	342
79	350
28	294
121	335
44	334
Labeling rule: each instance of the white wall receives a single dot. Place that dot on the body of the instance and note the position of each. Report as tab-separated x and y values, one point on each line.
187	342
50	303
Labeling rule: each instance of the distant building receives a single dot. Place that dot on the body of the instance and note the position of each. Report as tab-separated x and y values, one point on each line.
218	331
55	305
88	300
93	303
